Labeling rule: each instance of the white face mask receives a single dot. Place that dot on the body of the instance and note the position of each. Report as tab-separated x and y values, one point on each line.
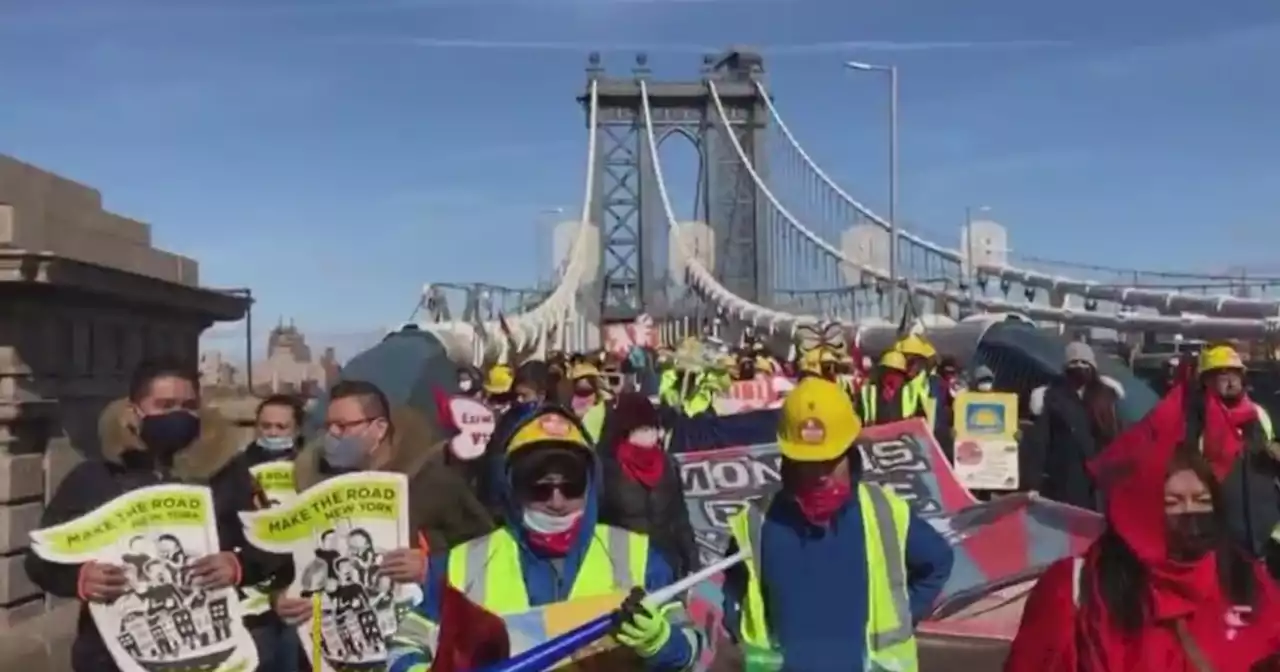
645	437
546	523
985	386
464	385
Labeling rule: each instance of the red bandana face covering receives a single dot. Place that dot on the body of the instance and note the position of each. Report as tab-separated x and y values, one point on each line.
820	500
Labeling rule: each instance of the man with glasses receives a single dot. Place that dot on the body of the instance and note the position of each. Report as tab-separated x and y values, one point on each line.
364	432
554	549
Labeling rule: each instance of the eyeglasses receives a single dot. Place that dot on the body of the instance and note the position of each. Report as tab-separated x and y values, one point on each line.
343	427
541	492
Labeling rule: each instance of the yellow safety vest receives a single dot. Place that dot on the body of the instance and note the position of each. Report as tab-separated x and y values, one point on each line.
488	569
921	396
1264	419
871	402
891	642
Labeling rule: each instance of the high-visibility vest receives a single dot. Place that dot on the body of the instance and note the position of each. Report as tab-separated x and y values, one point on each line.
891	642
1264	419
870	394
487	570
919	392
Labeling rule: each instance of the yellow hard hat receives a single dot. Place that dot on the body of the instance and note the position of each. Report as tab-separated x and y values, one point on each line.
893	360
499	379
811	362
915	345
584	370
550	426
818	422
1218	358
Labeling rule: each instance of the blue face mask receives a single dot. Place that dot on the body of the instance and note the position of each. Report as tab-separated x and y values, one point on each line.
345	452
275	444
167	433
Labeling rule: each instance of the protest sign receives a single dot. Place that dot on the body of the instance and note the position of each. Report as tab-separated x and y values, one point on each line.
475	423
164	623
337	532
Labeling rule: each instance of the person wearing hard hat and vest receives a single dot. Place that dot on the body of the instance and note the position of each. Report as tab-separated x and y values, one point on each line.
553	549
497	387
889	397
1235	438
841	570
921	383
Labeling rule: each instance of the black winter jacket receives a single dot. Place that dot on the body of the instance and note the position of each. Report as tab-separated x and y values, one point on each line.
214	459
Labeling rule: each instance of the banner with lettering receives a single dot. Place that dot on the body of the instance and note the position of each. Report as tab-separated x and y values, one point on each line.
275	478
763	391
337	531
164	623
903	456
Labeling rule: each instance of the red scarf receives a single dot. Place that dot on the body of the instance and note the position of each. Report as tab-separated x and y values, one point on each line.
820	500
1223	430
890	383
643	464
553	544
1132	471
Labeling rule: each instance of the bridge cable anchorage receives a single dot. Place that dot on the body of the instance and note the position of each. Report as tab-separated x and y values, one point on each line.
1244	314
530	328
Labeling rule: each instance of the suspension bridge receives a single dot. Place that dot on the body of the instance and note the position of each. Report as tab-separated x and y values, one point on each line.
776	243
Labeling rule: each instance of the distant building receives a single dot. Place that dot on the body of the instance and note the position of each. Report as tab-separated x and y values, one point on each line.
289	367
216	371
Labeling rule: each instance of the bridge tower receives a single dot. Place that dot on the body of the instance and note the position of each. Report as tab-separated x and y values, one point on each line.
627	206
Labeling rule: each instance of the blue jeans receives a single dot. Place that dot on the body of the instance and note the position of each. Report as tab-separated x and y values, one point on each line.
278	648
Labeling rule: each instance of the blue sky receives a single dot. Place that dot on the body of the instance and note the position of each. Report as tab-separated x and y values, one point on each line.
334	155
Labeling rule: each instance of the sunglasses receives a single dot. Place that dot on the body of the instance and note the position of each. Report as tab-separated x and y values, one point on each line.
541	492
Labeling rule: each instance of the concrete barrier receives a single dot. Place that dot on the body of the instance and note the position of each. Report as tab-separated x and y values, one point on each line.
42	643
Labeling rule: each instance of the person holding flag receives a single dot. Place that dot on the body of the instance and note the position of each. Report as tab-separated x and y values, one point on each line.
840	570
552	549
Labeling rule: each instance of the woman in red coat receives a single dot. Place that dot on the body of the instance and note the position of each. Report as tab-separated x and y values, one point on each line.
1163	589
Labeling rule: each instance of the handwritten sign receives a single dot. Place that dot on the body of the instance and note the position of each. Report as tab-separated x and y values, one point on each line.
476	422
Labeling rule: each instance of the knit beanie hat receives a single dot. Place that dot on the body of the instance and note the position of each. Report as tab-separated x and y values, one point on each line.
633	411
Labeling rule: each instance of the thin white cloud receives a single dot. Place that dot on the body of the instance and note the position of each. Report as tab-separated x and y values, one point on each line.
1226	49
685	48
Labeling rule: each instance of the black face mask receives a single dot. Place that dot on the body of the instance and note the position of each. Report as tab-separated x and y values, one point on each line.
1192	535
168	433
1079	375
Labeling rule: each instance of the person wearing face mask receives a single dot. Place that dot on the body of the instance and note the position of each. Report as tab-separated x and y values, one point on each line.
642	490
841	570
888	397
364	432
1164	587
1235	435
1075	418
984	379
590	396
277	428
553	549
530	392
922	385
469	382
159	434
497	387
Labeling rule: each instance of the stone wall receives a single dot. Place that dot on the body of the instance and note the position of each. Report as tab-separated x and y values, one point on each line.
84	297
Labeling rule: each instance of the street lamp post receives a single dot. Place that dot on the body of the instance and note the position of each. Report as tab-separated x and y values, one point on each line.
892	71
